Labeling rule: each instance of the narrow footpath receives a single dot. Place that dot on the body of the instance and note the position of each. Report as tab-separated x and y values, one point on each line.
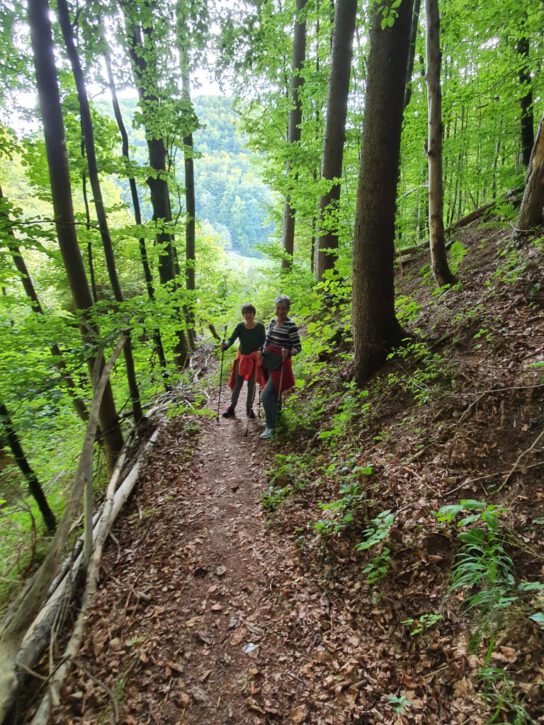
193	622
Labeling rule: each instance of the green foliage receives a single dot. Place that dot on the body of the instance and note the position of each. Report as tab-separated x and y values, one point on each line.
400	703
483	567
353	406
457	253
423	370
407	310
422	623
288	474
375	536
499	693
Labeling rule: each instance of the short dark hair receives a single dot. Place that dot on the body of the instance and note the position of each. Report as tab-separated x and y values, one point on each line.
248	308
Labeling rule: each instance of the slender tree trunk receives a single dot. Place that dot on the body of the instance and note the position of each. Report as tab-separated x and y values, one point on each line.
526	102
530	214
57	158
157	339
376	329
411	53
143	63
34	485
190	201
90	152
439	257
293	132
90	257
335	132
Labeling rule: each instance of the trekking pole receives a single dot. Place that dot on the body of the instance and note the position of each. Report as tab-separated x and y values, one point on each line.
221	374
250	408
278	411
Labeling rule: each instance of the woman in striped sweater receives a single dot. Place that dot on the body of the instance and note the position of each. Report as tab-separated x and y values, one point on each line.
281	343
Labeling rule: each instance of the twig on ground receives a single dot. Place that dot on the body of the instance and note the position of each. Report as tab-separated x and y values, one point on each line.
114	705
522	455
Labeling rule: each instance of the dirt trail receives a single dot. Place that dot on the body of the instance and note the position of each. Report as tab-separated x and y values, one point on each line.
182	615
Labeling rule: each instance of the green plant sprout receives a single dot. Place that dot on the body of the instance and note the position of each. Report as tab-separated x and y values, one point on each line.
421	624
375	534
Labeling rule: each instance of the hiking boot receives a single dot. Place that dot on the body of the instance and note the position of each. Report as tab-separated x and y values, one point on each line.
251	414
229	412
267	433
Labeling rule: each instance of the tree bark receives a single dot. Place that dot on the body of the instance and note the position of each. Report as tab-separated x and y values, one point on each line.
144	68
59	173
439	257
34	485
376	329
92	165
293	131
183	40
411	53
526	102
530	214
157	339
335	132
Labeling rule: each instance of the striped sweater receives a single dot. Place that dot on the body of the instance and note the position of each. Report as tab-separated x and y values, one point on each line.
284	336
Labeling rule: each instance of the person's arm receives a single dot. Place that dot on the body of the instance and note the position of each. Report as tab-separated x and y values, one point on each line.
232	338
295	340
267	334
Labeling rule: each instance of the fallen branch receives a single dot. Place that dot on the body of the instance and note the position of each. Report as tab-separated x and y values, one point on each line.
112	507
521	455
27	605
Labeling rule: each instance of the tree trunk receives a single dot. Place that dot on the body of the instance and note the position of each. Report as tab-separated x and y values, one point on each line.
59	173
293	131
411	54
157	339
530	214
526	102
183	38
34	485
439	257
92	165
376	329
143	64
335	131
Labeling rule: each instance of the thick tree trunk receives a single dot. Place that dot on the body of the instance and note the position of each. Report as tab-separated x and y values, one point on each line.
295	120
157	339
57	158
530	214
34	485
439	257
143	63
335	131
92	165
376	329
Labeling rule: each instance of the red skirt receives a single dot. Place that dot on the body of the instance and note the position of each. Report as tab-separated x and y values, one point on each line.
283	373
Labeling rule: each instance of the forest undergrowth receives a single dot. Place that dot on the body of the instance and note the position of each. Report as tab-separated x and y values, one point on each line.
417	503
389	566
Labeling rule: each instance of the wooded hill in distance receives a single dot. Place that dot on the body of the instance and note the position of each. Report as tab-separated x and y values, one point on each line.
231	196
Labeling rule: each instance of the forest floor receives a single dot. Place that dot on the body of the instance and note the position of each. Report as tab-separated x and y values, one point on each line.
215	609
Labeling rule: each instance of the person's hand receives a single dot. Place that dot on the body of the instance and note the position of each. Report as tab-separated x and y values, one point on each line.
284	353
223	345
259	354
